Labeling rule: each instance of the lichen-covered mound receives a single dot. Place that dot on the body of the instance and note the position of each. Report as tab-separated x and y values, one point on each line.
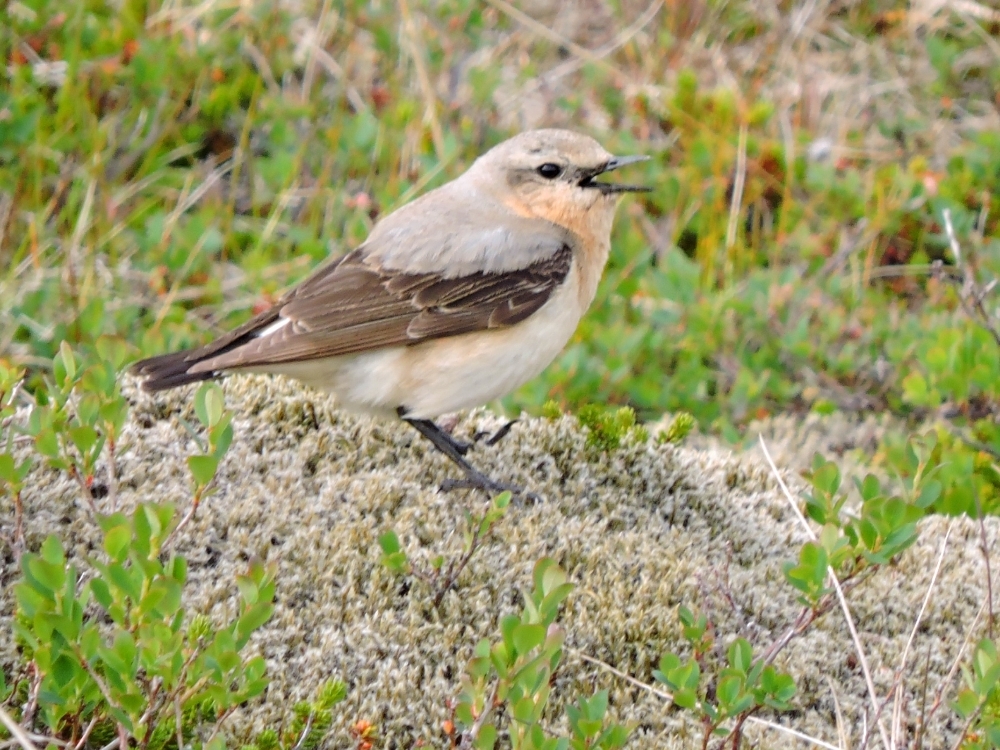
640	531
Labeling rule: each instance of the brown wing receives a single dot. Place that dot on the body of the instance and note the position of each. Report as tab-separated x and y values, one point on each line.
349	307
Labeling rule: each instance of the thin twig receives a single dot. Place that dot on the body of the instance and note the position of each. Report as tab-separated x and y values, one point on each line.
736	204
88	496
971	295
112	477
305	732
985	549
859	649
28	714
220	721
262	65
82	225
553	36
975	444
574	64
96	678
842	734
897	708
794	732
86	733
806	617
178	722
455	568
939	696
16	730
186	519
618	673
670	698
318	55
316	42
965	729
171	296
423	78
468	738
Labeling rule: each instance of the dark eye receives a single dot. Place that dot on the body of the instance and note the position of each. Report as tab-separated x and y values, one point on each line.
550	171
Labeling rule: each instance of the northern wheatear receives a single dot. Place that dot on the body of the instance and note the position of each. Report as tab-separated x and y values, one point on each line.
455	299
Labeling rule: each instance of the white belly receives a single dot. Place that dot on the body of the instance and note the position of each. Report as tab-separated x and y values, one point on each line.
447	374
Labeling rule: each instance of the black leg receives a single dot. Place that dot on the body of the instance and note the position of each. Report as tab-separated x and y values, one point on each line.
501	433
456	450
453	449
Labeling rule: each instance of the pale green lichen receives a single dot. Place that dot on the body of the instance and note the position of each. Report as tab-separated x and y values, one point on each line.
640	530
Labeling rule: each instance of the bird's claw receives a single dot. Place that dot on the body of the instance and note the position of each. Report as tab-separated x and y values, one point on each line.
479	481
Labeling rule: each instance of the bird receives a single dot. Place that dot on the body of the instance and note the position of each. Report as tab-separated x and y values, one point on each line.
454	299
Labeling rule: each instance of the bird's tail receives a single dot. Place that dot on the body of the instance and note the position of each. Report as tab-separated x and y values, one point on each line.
171	370
174	369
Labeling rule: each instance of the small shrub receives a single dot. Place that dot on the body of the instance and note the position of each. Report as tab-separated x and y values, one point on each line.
114	647
608	428
516	672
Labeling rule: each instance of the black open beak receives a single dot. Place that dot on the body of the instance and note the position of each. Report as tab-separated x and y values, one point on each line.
610	187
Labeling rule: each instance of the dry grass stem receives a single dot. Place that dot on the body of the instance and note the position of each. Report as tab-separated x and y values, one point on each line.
20	736
897	688
417	53
859	649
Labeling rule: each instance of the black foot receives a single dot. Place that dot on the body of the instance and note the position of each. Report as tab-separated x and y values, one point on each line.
455	450
479	481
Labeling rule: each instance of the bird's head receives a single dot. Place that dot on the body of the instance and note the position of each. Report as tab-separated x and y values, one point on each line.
554	174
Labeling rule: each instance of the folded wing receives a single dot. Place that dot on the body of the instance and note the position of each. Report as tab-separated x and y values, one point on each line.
352	306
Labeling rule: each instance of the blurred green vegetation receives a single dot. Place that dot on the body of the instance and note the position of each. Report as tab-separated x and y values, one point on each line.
166	169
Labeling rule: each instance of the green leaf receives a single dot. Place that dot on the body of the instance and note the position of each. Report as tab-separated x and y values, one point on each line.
916	391
547	575
112	350
221	437
389	542
49	576
203	468
121	579
614	737
597	706
523	710
668	663
685	698
688	675
728	690
116	542
528	637
507	626
966	703
8	472
47	443
67	362
398	562
209	403
487	738
929	494
251	620
870	488
52	551
740	654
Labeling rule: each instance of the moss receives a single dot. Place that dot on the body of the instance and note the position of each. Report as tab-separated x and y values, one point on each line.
640	530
